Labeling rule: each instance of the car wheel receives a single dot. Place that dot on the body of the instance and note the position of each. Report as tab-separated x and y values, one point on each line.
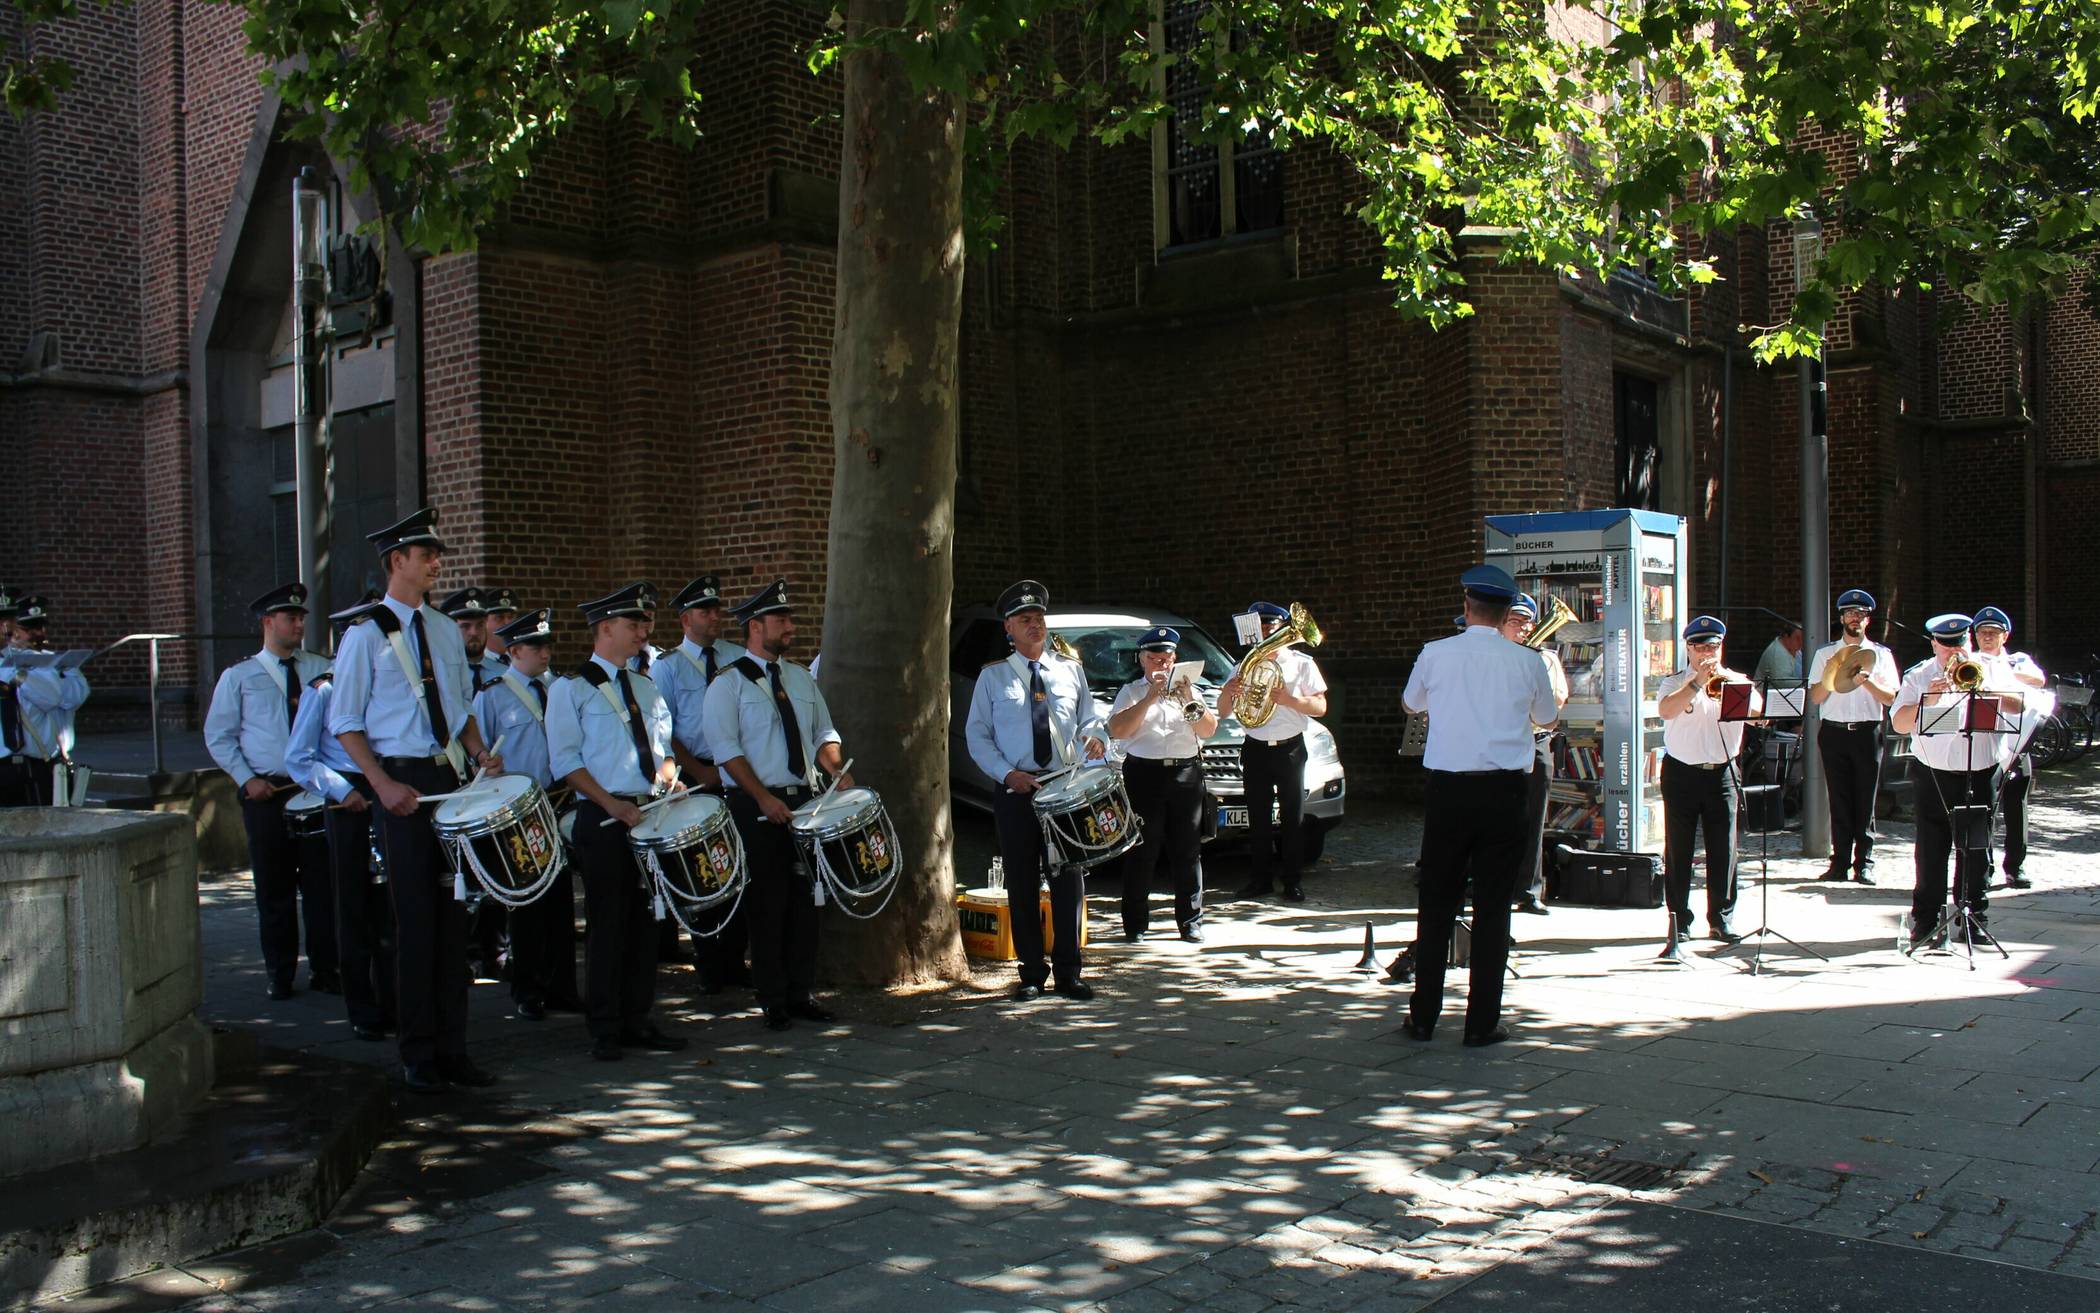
1312	840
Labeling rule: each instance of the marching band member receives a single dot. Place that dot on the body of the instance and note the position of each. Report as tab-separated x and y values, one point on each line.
1484	696
513	707
364	923
1531	866
47	697
609	739
245	729
1698	780
488	924
471	612
1272	763
683	676
1949	770
403	709
768	723
503	609
1163	767
1027	711
1849	736
1993	630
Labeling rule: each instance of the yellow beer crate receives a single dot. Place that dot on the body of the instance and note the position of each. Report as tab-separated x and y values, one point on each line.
987	926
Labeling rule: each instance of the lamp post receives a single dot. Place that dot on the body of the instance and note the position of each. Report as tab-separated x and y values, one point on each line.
310	367
1815	547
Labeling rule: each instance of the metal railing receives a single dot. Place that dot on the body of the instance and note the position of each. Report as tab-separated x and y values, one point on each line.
153	642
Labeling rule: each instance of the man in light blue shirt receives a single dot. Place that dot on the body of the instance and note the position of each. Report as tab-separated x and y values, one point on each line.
513	707
47	698
18	771
609	739
364	920
245	730
768	725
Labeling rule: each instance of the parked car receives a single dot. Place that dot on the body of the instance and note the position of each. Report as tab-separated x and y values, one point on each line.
1106	639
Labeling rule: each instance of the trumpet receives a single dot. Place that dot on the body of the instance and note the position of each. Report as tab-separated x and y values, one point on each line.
1721	679
1965	673
1558	616
1192	705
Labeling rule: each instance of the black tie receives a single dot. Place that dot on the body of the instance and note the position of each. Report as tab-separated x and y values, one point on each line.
1039	713
539	691
11	716
709	653
642	756
432	700
641	661
291	689
798	765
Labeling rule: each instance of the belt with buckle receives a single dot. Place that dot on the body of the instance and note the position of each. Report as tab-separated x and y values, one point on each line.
1853	724
1697	765
1163	762
1253	742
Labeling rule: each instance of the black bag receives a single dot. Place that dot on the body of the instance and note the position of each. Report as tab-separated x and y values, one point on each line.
1609	879
1207	823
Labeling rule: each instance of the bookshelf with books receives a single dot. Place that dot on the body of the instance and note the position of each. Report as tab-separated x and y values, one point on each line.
1621	572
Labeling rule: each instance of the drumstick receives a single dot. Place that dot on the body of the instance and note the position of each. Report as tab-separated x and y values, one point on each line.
653	803
494	748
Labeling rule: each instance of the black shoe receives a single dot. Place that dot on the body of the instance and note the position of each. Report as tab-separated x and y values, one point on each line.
1724	934
1132	936
1192	934
532	1009
1532	907
280	990
325	982
1834	873
462	1071
778	1019
423	1078
1074	989
711	988
807	1010
1421	1032
1402	969
369	1034
606	1049
1294	893
564	1003
2014	880
1025	991
1864	875
1256	891
1482	1039
655	1040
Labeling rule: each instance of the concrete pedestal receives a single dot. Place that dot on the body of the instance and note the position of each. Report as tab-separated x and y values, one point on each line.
101	972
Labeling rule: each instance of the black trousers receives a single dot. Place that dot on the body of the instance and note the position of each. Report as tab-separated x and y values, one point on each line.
1531	868
1471	827
781	902
291	877
2012	800
1852	768
619	937
364	920
25	782
1169	802
488	936
1021	851
719	957
430	925
1934	793
543	943
1274	776
1698	798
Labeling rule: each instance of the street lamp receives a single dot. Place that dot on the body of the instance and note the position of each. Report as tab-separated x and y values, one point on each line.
310	366
1815	546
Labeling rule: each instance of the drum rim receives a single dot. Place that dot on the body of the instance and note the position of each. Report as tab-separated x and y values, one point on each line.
514	812
1081	786
804	823
673	841
494	784
318	803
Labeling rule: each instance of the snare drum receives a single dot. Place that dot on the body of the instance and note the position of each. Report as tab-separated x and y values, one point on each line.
1086	816
305	817
694	858
503	831
849	842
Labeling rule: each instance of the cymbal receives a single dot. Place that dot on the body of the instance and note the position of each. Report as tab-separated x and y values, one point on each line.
1850	668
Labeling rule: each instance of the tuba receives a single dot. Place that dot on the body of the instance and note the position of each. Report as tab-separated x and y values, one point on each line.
1558	616
1258	671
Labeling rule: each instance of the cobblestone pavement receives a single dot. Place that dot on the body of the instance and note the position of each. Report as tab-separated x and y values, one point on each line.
1237	1126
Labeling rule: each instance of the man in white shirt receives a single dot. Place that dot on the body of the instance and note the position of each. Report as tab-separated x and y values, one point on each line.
1484	696
1162	731
1531	869
1849	735
1272	763
1993	630
1698	780
1951	769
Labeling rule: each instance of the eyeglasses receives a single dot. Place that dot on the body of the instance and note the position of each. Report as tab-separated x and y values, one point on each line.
1705	642
1851	611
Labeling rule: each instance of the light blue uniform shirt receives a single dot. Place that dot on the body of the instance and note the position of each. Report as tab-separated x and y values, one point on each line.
246	728
373	695
507	708
49	699
1000	730
313	757
743	722
681	676
584	732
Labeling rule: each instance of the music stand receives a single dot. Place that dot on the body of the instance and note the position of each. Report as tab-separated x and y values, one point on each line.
1787	703
1969	821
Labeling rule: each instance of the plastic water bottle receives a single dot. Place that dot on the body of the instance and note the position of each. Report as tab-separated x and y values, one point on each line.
997	878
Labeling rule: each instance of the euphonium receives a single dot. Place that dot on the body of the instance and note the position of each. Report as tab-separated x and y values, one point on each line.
1557	616
1258	672
1965	673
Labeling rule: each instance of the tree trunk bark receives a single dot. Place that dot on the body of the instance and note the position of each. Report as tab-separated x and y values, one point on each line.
895	418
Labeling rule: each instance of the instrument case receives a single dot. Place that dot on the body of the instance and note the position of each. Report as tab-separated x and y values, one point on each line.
1606	879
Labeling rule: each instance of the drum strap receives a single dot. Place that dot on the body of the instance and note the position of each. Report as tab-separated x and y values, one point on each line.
390	625
1059	741
532	704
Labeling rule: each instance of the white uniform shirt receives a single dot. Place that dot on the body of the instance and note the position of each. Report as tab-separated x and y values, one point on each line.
1697	735
743	722
1859	706
1301	678
373	695
586	732
1957	751
999	729
1483	693
1161	733
250	718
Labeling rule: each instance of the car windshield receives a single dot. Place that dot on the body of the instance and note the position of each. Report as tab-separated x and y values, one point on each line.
1110	652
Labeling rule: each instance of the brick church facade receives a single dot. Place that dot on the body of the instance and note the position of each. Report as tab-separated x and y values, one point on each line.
1184	386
